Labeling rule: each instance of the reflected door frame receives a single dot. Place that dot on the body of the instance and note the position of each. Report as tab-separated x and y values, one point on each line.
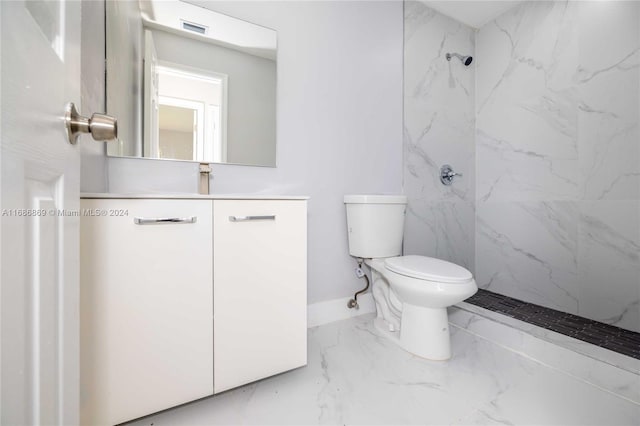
216	131
150	102
198	133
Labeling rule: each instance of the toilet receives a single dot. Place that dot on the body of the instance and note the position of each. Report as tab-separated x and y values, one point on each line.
411	292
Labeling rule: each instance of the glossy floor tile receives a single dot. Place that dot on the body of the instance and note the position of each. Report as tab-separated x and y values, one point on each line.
356	376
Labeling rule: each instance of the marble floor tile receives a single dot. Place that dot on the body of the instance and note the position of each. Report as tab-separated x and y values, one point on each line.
356	376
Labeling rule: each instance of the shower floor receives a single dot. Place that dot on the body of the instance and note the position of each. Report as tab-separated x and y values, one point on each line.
603	335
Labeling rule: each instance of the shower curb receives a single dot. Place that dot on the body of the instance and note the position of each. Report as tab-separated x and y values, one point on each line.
607	370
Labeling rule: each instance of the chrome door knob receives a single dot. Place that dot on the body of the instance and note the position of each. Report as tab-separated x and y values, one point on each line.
101	126
447	174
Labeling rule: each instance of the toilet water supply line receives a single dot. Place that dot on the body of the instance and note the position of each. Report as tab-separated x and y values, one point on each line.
353	303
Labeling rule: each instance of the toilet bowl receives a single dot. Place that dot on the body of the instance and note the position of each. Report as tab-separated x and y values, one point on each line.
411	292
425	287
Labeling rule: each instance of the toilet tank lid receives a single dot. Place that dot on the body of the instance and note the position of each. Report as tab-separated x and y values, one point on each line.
375	199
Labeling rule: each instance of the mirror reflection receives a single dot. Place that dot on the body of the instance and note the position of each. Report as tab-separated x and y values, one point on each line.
190	84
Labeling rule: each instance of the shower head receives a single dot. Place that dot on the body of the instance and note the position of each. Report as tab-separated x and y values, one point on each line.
466	60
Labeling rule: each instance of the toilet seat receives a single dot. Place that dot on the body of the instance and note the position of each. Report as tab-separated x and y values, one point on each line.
428	268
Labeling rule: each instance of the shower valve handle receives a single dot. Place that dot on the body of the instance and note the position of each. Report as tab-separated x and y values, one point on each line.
447	174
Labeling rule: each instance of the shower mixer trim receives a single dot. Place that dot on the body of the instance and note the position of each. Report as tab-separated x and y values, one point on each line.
447	174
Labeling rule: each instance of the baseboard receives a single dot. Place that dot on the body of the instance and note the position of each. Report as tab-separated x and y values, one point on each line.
337	310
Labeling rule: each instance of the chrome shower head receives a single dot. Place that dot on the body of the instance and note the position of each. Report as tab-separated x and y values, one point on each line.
466	60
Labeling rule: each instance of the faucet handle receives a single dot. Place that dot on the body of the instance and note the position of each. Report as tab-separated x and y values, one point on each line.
447	174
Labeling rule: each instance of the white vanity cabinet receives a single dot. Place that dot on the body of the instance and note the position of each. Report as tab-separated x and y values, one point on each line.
183	298
146	307
259	291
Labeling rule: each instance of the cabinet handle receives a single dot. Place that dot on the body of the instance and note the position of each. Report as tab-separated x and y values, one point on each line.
248	218
164	220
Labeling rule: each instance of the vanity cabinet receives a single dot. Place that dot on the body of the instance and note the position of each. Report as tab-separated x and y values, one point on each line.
184	298
146	307
259	291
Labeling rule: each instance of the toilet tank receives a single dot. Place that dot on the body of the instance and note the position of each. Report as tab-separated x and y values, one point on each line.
375	225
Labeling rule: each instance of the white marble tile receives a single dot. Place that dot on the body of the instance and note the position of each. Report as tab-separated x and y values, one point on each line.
558	111
608	80
508	171
439	116
597	353
527	117
609	262
441	229
355	376
428	145
439	128
558	404
611	371
528	251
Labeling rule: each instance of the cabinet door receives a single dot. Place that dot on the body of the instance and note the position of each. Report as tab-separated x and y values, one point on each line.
146	308
260	290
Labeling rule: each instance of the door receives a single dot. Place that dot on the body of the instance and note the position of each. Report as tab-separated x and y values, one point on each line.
259	289
147	307
39	179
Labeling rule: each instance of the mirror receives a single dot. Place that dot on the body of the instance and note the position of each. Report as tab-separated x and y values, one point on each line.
188	83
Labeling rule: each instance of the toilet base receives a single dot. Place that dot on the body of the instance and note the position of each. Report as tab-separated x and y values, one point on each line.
425	332
386	330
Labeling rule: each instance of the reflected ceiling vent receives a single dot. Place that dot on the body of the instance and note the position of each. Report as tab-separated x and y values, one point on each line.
193	27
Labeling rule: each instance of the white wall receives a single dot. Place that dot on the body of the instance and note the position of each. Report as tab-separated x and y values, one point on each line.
339	124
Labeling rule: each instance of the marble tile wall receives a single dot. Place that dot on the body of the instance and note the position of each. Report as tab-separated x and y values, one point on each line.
439	127
558	158
544	126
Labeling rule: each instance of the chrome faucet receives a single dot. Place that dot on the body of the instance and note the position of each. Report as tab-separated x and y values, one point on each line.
203	181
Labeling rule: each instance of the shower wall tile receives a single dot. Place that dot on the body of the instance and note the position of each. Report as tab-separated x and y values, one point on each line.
609	262
527	105
608	82
528	250
439	128
508	170
558	155
545	127
441	229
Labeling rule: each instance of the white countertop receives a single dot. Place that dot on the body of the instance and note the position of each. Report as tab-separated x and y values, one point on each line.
193	196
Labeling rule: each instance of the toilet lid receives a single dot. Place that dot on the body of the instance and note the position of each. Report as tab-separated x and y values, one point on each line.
428	268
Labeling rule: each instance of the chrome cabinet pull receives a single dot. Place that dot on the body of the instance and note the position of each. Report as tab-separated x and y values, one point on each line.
248	218
164	220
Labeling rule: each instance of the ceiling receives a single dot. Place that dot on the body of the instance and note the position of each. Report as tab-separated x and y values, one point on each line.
474	13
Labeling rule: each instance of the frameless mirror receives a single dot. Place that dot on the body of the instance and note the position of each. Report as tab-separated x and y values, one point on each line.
188	83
